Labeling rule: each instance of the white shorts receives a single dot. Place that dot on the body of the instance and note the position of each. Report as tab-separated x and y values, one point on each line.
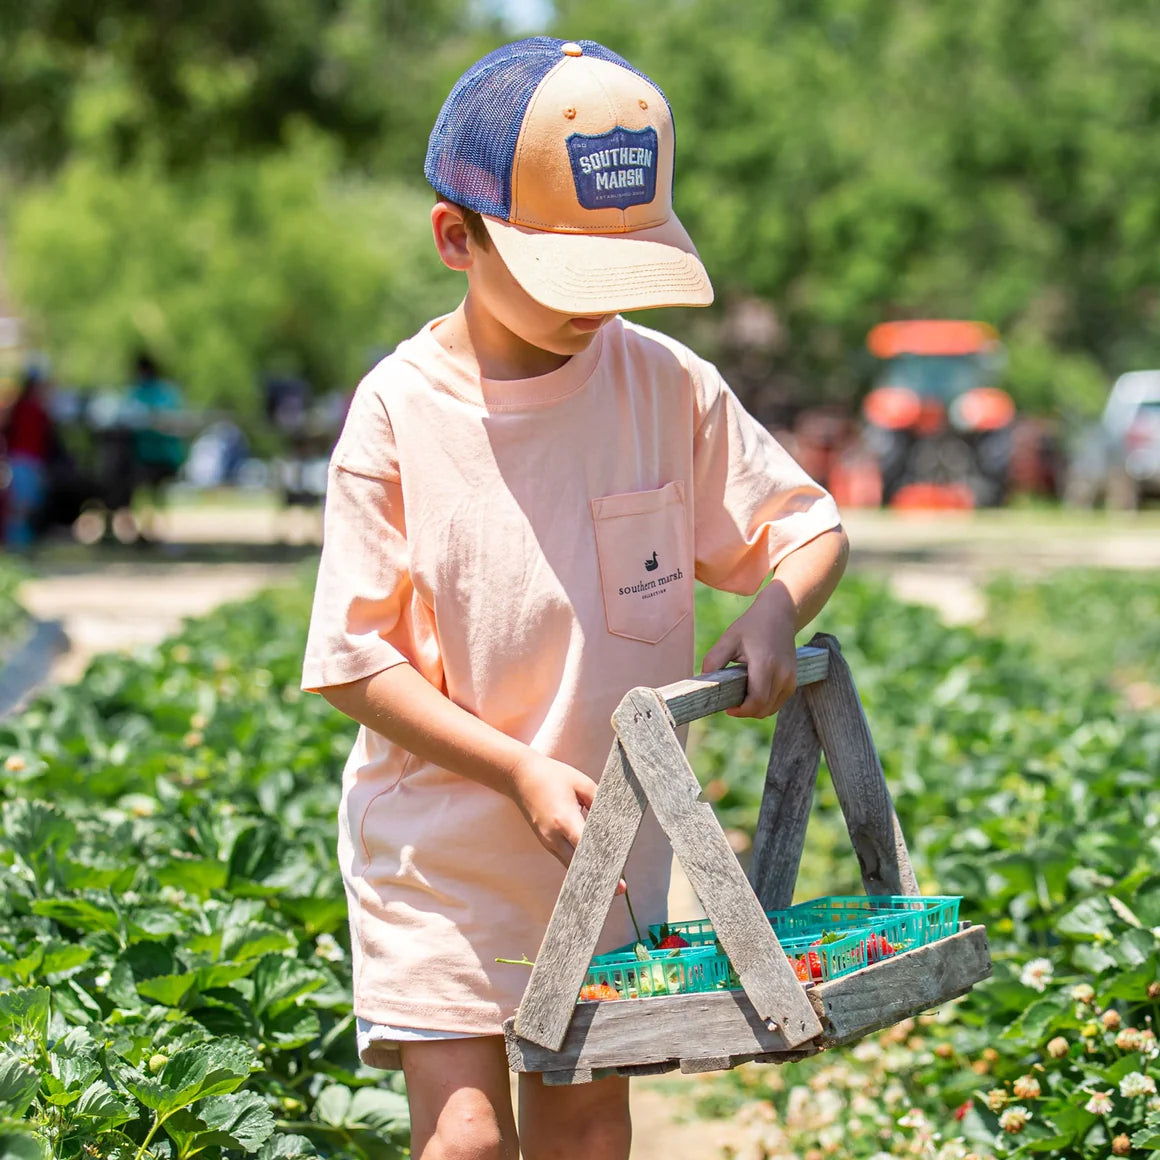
378	1043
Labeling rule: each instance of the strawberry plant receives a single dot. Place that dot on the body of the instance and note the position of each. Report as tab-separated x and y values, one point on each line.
1022	757
174	966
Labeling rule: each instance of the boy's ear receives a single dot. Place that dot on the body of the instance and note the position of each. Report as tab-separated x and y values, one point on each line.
452	240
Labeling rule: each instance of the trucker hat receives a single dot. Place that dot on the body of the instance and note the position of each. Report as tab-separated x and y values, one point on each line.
567	152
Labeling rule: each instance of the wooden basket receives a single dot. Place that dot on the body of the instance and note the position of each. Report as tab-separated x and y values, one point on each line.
773	1018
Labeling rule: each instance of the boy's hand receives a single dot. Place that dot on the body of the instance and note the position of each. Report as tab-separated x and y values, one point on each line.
554	798
762	638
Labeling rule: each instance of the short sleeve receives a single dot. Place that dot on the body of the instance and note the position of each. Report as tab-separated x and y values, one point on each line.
366	615
753	504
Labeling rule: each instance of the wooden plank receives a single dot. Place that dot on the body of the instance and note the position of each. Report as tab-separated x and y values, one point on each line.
643	1031
633	1032
585	897
785	806
658	760
567	1076
841	726
898	987
712	1063
723	689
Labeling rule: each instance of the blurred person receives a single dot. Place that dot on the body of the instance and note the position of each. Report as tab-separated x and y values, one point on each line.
155	406
29	441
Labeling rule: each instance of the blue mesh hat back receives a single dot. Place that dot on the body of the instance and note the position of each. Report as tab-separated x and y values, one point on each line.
473	144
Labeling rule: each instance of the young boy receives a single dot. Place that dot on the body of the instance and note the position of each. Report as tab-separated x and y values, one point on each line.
518	504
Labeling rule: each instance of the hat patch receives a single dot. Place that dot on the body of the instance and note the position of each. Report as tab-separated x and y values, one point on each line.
616	169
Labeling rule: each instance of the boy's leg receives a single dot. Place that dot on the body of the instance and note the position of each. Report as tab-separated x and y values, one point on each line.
460	1096
578	1122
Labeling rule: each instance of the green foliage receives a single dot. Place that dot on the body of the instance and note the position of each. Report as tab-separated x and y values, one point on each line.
851	161
226	272
13	618
216	79
1025	782
174	963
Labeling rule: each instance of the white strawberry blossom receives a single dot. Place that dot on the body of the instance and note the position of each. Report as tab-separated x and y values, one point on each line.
1100	1104
1136	1083
1037	974
1014	1119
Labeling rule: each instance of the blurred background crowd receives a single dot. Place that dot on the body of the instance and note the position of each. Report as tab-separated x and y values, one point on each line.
934	230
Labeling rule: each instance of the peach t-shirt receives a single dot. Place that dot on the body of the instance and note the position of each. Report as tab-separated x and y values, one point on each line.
530	548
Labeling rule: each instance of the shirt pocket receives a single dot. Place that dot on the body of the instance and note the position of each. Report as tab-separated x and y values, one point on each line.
646	570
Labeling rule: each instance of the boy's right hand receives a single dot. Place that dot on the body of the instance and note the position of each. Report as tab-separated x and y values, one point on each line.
554	797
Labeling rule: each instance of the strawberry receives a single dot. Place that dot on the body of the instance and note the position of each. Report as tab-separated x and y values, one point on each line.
670	941
800	968
598	991
878	947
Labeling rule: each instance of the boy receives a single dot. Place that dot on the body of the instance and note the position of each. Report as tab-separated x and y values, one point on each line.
518	505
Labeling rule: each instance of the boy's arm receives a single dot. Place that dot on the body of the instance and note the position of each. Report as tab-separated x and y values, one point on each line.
763	636
403	706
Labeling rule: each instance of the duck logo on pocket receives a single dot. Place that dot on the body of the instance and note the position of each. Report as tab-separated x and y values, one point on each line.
646	602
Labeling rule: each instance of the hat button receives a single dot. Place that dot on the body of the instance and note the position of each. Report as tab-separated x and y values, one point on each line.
571	48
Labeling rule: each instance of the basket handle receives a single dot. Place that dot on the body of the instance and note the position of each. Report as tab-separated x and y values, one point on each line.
699	696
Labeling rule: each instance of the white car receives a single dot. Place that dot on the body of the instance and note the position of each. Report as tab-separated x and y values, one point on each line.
1119	460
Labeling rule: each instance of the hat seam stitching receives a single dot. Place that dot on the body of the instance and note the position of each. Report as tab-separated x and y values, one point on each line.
521	141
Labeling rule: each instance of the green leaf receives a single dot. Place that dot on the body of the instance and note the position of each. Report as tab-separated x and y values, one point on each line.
287	1148
244	1117
255	941
19	1083
381	1110
168	990
195	1072
294	1027
1091	917
102	1105
18	1144
79	913
24	1012
1038	1018
61	956
196	876
333	1104
280	981
1148	1138
37	834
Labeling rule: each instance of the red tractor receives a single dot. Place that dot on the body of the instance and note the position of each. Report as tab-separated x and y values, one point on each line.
940	432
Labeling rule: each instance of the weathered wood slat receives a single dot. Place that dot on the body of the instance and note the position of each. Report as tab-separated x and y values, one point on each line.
844	733
640	1031
585	897
712	1063
723	689
896	988
658	760
785	805
686	1028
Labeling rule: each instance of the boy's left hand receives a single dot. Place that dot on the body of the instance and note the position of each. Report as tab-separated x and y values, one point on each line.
762	638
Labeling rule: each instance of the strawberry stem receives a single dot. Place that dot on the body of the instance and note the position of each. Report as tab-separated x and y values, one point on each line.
524	962
632	916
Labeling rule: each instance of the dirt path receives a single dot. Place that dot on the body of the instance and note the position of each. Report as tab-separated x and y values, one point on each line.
938	560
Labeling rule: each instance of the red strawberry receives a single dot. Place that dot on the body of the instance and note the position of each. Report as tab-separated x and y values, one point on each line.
670	941
598	991
800	968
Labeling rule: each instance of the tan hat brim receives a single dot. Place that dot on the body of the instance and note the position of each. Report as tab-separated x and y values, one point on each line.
604	273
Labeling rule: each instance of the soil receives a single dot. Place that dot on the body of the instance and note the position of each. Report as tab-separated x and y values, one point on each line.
139	596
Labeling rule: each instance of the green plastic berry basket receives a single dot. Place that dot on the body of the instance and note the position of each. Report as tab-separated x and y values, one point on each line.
681	972
910	921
